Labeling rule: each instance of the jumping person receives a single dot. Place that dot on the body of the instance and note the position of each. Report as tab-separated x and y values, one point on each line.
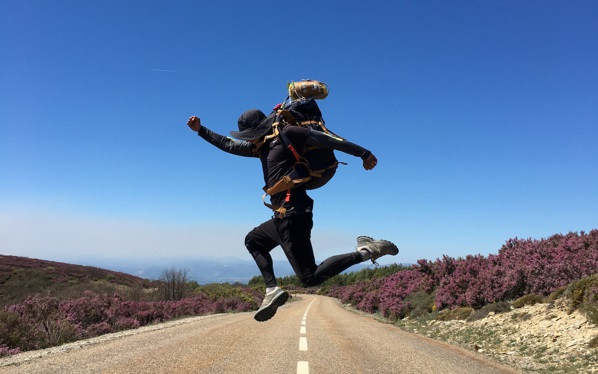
291	229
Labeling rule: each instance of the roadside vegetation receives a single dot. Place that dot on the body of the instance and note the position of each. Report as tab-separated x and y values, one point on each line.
450	299
557	333
523	273
61	303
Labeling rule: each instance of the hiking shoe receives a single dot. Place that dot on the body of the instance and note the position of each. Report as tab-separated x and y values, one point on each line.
376	248
271	302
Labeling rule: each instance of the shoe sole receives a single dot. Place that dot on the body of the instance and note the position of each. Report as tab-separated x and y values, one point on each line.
270	310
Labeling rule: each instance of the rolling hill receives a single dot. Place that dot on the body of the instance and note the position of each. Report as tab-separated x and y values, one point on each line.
22	276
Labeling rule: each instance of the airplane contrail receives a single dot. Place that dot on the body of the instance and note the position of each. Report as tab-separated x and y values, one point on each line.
166	70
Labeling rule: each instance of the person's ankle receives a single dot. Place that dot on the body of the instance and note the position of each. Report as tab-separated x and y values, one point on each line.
365	254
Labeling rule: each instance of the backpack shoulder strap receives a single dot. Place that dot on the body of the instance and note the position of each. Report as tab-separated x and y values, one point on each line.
288	117
284	140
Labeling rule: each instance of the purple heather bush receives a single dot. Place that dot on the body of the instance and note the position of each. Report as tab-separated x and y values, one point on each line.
363	294
41	322
231	304
475	282
521	267
398	286
542	266
6	351
126	323
35	323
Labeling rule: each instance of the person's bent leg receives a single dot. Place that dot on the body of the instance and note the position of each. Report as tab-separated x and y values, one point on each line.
259	242
296	234
333	266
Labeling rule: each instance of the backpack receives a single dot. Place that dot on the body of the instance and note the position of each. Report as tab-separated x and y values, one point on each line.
314	166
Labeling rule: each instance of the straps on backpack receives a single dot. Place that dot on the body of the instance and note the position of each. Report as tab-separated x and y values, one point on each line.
301	171
275	132
276	208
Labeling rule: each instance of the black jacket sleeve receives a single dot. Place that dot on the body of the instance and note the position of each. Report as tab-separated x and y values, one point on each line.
320	139
235	147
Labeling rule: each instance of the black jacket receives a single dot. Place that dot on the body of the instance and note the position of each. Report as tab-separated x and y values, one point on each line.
277	161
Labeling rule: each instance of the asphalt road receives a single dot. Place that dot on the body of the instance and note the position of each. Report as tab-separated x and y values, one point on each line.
311	334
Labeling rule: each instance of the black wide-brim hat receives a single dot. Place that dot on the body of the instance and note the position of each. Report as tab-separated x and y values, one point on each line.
252	125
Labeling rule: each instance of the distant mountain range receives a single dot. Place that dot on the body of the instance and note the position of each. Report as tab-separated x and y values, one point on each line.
201	270
204	271
64	278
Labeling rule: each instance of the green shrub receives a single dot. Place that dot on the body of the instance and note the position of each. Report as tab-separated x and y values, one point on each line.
323	290
583	295
591	312
557	294
454	314
257	280
421	303
531	299
11	330
219	291
497	308
594	342
216	291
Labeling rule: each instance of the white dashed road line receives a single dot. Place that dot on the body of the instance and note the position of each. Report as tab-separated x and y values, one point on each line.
303	366
303	343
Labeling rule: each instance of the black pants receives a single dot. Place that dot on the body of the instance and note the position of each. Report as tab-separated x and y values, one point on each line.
293	234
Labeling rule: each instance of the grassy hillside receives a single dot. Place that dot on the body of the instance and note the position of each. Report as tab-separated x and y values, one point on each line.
46	303
21	277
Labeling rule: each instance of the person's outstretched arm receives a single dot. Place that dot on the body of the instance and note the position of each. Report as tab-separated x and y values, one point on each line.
320	139
235	147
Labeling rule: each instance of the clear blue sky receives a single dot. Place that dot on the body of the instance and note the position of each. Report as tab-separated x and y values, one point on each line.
483	116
